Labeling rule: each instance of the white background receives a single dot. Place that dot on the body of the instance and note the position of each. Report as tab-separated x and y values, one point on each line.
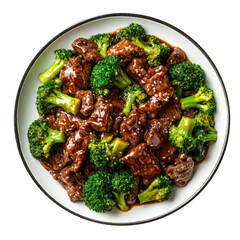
25	212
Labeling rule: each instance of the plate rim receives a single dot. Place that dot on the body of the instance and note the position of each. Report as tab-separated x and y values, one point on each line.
134	15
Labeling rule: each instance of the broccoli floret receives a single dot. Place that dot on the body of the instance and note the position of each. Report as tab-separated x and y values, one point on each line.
96	192
204	131
203	100
50	96
105	154
204	120
133	94
106	74
157	52
159	190
41	138
181	136
202	136
186	76
122	185
131	32
62	57
104	41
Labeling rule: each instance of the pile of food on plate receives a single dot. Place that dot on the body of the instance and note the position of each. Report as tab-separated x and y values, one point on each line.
123	118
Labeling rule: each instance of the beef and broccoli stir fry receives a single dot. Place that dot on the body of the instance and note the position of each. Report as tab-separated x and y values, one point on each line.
123	118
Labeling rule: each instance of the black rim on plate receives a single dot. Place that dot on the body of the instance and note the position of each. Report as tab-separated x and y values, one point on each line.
134	16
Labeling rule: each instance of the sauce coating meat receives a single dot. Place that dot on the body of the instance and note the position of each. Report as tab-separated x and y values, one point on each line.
172	110
143	162
103	137
55	163
181	171
66	122
166	154
177	56
73	183
88	49
75	149
157	132
125	50
75	75
132	128
137	69
159	85
117	122
152	106
86	97
101	117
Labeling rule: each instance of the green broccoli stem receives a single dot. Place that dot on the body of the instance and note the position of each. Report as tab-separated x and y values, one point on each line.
121	79
179	92
128	105
186	125
107	137
148	195
194	101
120	201
56	136
103	49
52	71
190	103
118	146
70	104
154	194
140	44
53	137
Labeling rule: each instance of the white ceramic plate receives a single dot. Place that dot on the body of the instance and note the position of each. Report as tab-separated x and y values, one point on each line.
25	113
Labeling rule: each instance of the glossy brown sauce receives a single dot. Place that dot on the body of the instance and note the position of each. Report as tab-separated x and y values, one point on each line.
96	120
136	203
162	40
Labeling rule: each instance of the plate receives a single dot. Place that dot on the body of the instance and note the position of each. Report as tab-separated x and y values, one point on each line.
25	113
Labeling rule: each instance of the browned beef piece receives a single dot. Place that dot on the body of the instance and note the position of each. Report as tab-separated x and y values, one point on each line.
73	183
172	110
157	132
166	154
101	117
125	50
66	122
76	75
88	49
55	163
117	103
86	97
143	162
75	149
159	88
159	70
152	106
137	69
159	85
176	56
133	195
117	120
132	128
181	171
